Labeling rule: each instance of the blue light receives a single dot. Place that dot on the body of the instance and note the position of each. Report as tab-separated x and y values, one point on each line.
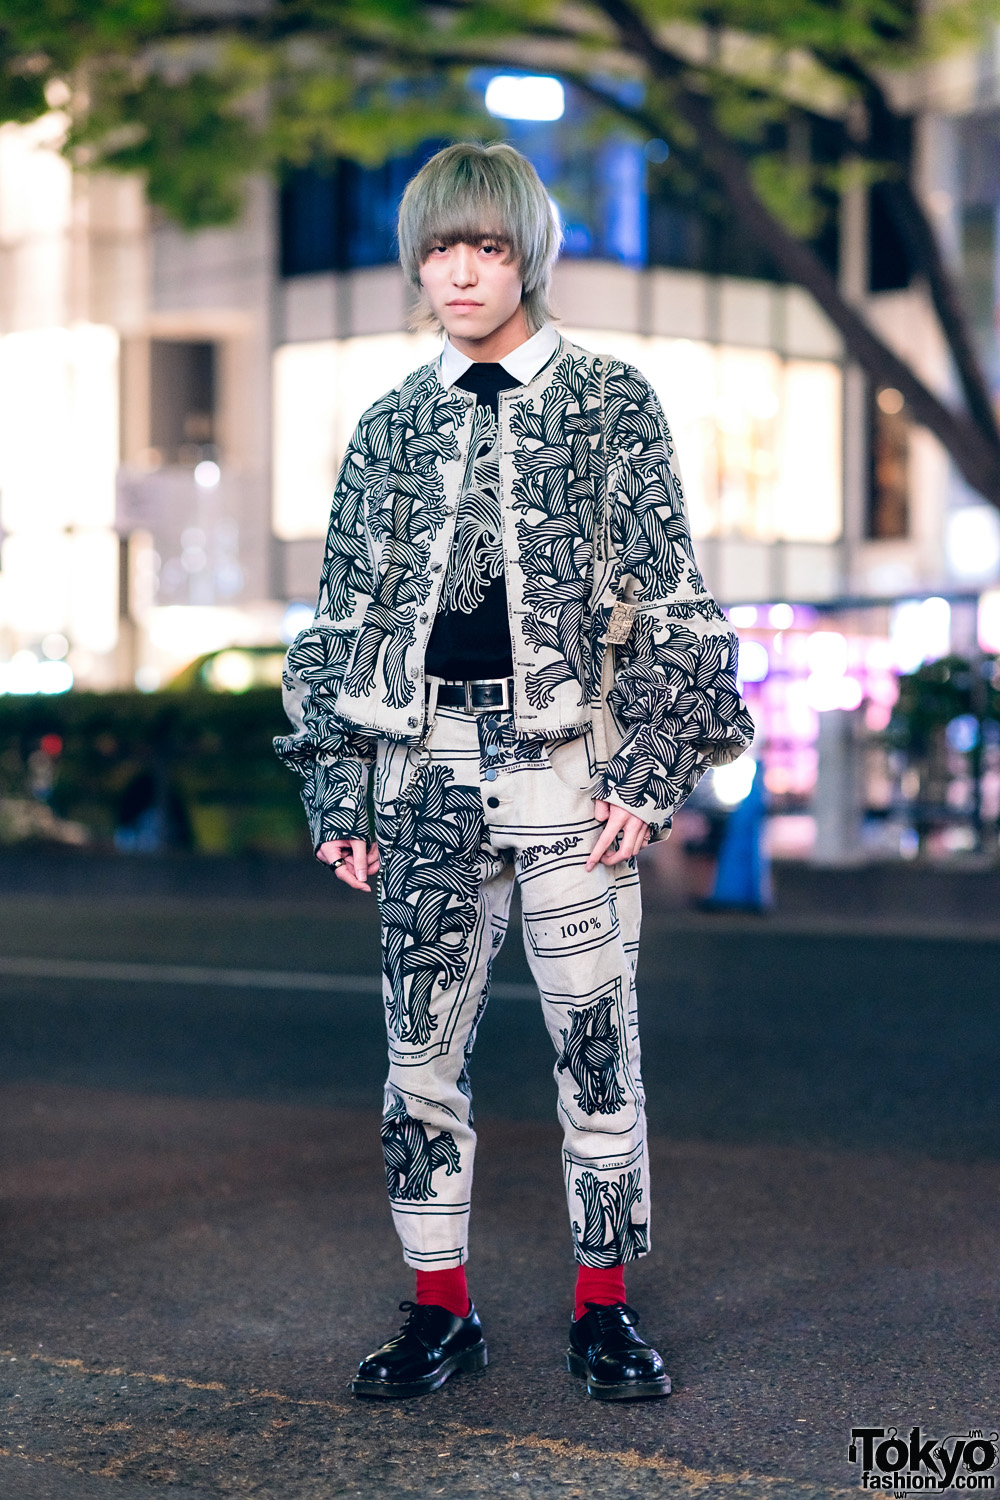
962	733
296	617
624	182
754	664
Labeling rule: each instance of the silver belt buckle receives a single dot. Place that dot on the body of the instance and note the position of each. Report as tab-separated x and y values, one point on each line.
504	704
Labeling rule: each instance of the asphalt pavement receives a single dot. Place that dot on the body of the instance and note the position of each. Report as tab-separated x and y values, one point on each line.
196	1248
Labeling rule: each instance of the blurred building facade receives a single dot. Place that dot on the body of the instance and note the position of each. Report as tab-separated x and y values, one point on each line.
173	407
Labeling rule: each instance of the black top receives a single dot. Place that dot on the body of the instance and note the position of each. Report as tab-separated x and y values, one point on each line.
471	634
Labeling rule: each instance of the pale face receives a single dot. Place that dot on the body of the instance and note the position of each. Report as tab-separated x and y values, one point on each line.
475	292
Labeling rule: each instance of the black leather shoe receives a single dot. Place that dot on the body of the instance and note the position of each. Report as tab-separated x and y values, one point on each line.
431	1345
605	1350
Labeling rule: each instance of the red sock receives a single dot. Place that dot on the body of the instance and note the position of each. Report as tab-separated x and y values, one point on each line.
444	1289
603	1284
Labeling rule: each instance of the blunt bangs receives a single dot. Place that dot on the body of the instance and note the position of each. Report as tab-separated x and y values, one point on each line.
470	192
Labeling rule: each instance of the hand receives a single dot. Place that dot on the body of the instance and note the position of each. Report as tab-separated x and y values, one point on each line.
618	820
361	862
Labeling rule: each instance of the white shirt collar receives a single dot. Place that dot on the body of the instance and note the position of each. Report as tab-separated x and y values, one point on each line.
523	363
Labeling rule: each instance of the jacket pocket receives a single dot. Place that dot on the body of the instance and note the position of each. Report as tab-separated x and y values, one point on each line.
393	770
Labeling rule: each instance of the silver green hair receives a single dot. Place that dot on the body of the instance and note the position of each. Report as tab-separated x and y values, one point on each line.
468	192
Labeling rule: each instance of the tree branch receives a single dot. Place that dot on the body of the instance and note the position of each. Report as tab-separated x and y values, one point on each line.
976	456
370	34
887	140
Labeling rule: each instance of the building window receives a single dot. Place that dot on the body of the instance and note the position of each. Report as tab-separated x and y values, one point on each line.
618	200
889	265
183	400
889	449
340	216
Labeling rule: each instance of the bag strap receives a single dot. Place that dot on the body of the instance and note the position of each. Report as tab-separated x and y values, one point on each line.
602	537
622	614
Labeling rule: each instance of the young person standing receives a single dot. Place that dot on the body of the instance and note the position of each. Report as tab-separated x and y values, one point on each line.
512	631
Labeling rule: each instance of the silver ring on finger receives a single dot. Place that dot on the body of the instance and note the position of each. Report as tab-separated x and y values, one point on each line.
336	864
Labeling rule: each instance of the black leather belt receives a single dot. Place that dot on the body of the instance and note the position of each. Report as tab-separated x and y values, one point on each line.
477	697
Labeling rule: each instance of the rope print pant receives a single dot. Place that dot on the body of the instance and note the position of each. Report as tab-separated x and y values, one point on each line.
482	807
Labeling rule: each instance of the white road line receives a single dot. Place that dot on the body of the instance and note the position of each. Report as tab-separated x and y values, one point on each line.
239	979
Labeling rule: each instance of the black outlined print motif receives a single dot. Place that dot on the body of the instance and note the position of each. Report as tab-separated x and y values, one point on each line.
366	506
318	658
675	692
530	856
332	760
464	1081
675	687
591	1052
416	426
433	1078
677	701
554	494
429	880
347	569
477	551
609	1237
648	524
335	800
412	1157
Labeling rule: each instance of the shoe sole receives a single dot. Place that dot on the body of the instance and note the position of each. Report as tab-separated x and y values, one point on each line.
625	1390
468	1360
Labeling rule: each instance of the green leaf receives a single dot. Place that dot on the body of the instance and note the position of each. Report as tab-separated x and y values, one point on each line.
788	190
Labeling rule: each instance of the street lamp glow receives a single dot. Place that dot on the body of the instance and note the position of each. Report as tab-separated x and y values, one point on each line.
24	674
972	541
920	630
525	97
232	672
827	653
207	474
55	646
53	677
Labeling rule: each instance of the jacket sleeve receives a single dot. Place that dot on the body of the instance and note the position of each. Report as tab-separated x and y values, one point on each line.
331	757
675	697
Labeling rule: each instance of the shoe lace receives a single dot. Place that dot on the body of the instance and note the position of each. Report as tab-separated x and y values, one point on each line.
417	1313
609	1316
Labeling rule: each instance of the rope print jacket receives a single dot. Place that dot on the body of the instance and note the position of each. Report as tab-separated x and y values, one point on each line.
592	512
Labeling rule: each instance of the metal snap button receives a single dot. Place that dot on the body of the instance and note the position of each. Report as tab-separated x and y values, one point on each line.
414	673
423	617
436	567
412	723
